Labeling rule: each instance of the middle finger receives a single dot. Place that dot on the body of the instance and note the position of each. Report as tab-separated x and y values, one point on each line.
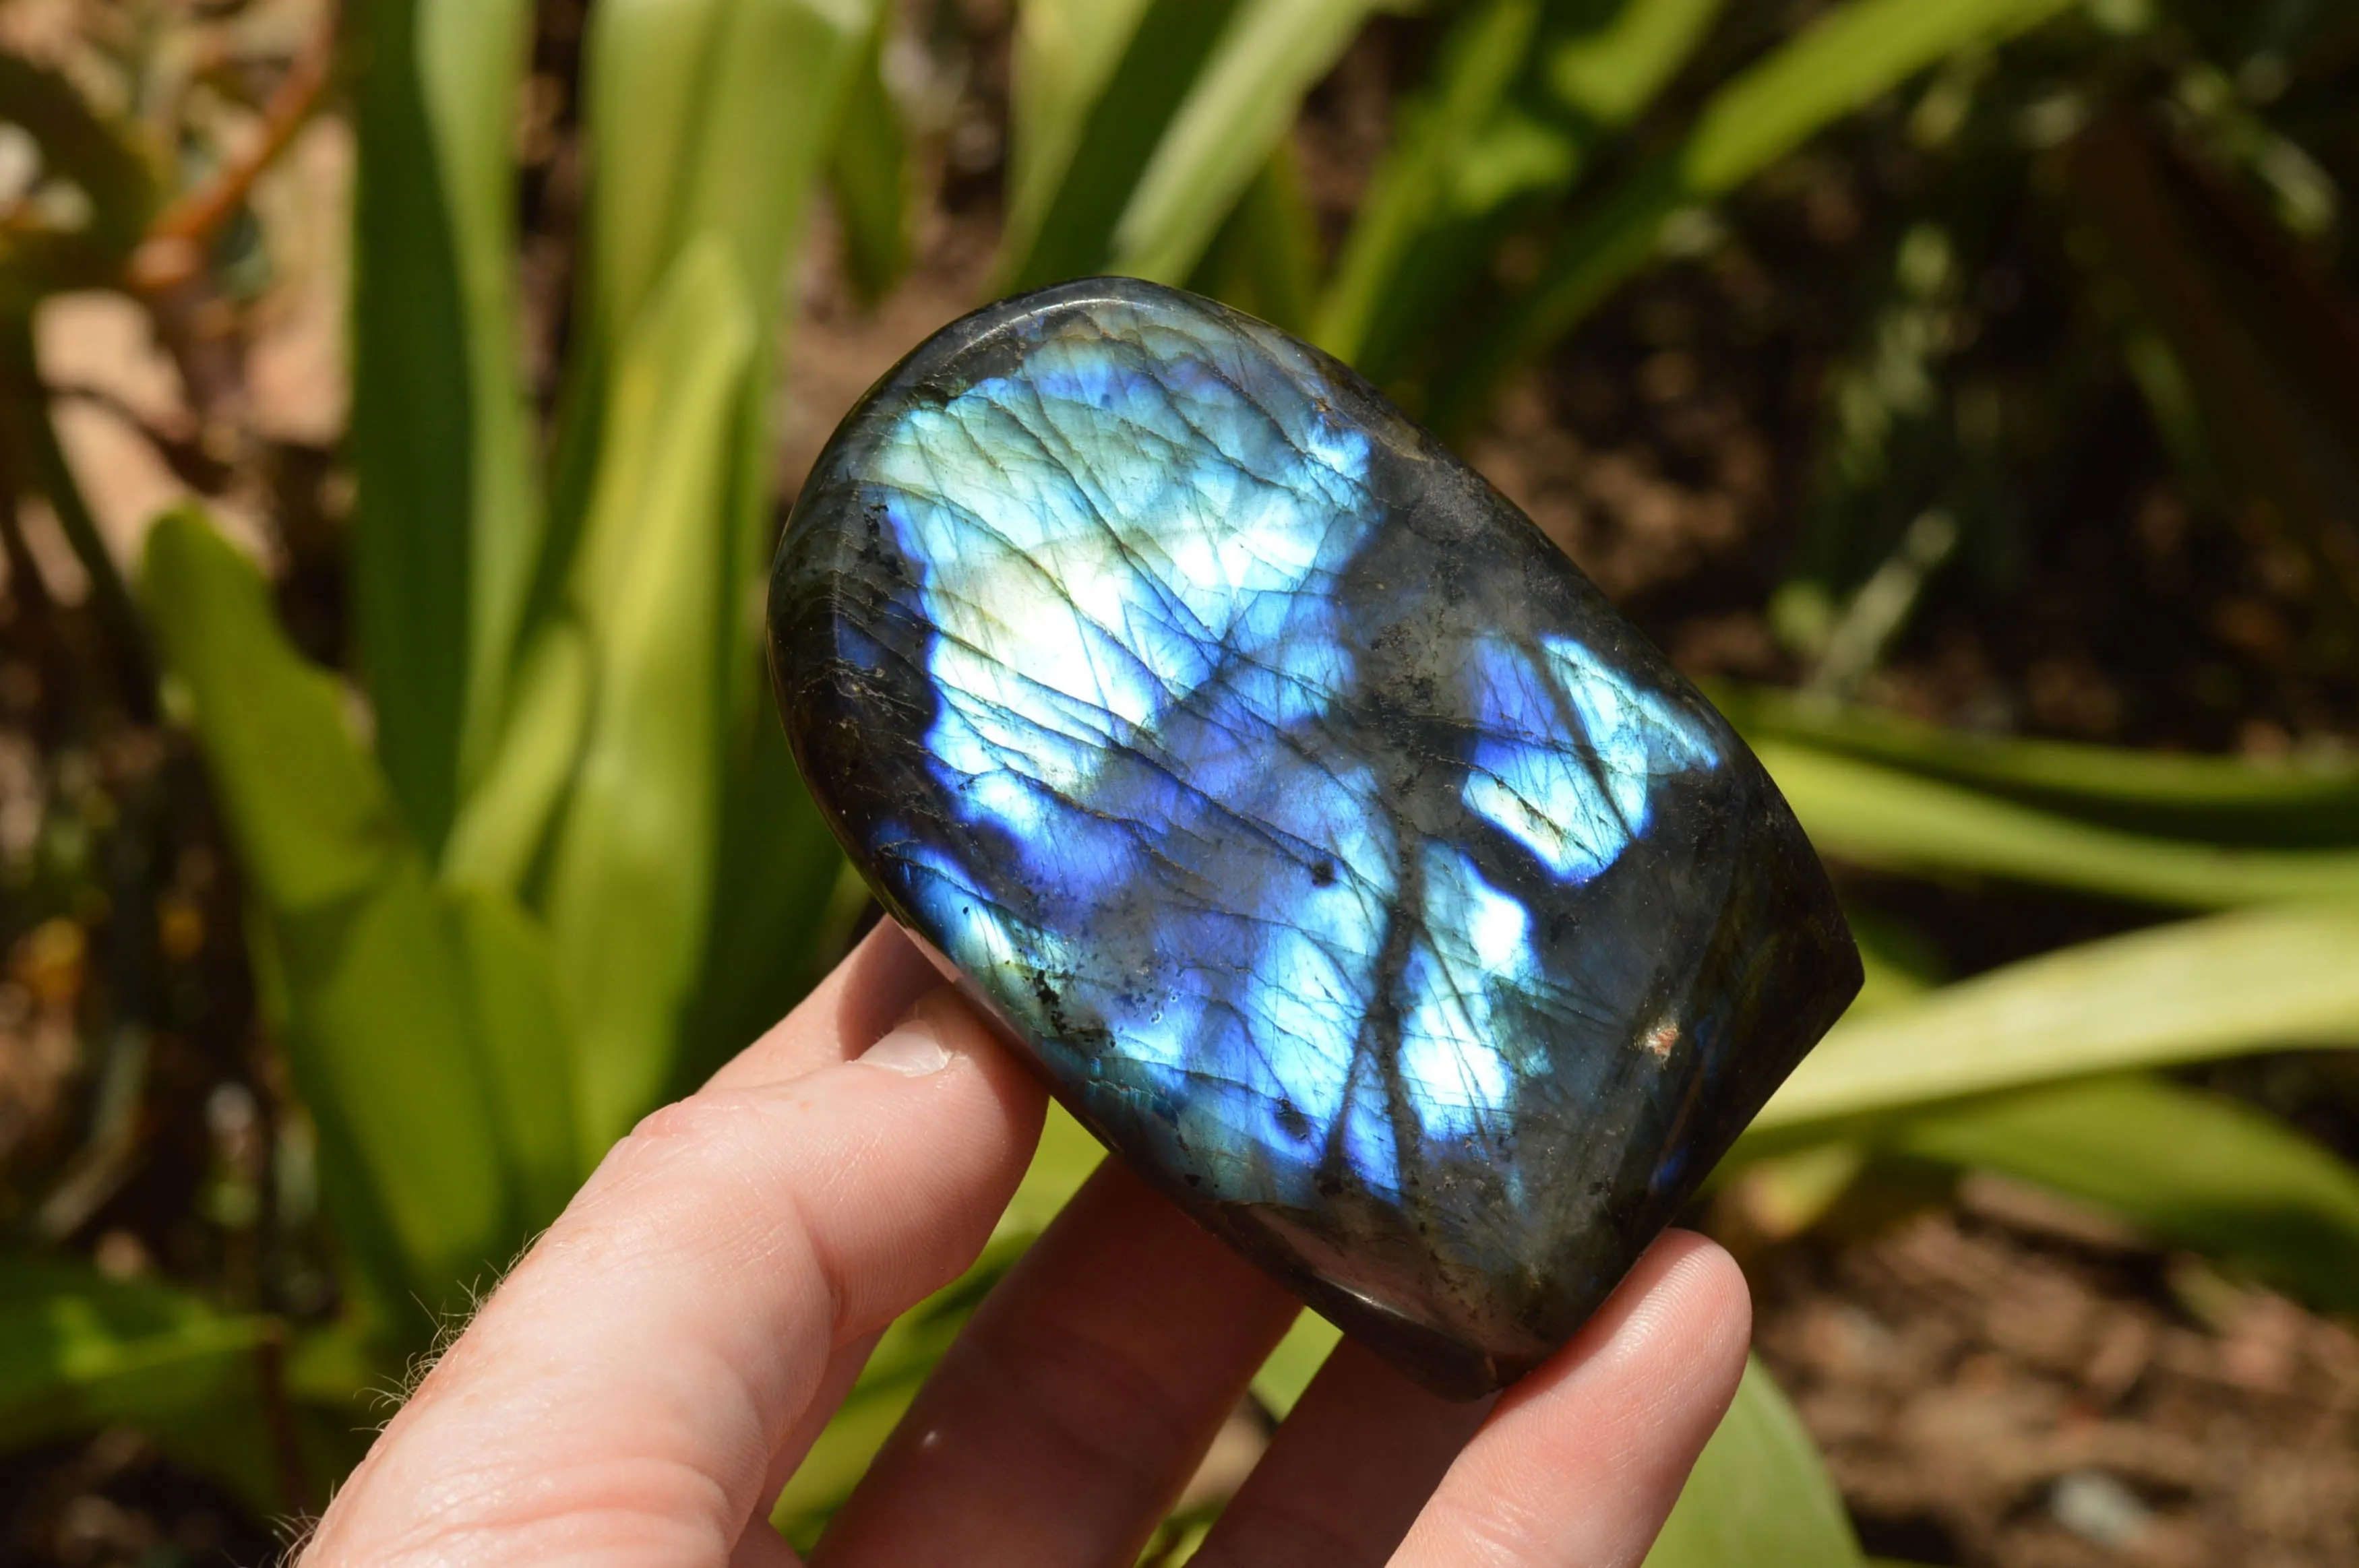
1067	1416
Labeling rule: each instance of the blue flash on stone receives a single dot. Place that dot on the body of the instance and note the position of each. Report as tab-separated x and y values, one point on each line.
1346	862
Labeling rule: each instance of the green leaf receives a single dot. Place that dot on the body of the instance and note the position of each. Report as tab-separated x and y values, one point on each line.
631	869
504	824
1096	83
707	119
1286	1375
381	1032
527	1043
2191	1168
446	528
1847	58
79	1351
868	173
1879	816
2252	980
2290	802
1759	1496
777	915
1523	94
1236	111
1265	260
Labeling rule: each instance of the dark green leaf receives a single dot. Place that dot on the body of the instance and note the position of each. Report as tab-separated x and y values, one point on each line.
445	530
1845	59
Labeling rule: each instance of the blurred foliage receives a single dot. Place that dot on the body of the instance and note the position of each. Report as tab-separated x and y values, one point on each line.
535	857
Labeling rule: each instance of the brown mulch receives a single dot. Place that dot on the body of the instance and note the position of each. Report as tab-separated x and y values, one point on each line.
1989	1392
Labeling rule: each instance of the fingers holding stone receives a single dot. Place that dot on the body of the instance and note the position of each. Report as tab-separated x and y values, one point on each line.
626	1394
1067	1418
1582	1460
1347	1473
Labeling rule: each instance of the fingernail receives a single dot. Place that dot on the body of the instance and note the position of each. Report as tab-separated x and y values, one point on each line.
912	1050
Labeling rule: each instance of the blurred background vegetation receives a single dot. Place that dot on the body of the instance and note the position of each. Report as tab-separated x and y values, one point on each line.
399	401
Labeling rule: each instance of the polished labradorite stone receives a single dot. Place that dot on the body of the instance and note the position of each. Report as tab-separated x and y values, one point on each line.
1349	865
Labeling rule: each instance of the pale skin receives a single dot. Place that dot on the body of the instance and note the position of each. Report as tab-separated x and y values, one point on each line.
646	1379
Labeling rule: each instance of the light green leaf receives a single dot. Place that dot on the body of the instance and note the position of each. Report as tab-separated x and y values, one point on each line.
1096	83
504	823
2228	800
2191	1168
446	529
376	995
2252	980
471	57
706	119
630	872
1879	816
1265	260
1523	94
1844	60
1760	1495
526	1042
776	914
868	173
1272	52
1286	1375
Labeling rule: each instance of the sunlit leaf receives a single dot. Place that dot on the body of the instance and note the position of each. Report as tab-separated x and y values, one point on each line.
526	1038
2222	800
1268	57
869	175
1096	83
504	823
1522	94
1760	1497
1286	1375
1879	816
2192	1169
631	869
79	1351
1849	56
381	1036
2228	984
446	529
1265	260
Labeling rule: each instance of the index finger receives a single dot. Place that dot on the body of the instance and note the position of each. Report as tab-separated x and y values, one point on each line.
622	1396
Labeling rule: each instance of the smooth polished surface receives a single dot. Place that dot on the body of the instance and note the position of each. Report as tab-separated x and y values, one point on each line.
1350	865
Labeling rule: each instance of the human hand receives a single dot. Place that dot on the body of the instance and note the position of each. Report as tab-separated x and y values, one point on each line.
647	1378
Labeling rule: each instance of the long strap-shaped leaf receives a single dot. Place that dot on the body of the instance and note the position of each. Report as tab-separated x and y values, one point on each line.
445	1137
1523	93
1880	816
447	529
2218	799
633	861
2252	980
2190	1168
1270	55
1844	60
